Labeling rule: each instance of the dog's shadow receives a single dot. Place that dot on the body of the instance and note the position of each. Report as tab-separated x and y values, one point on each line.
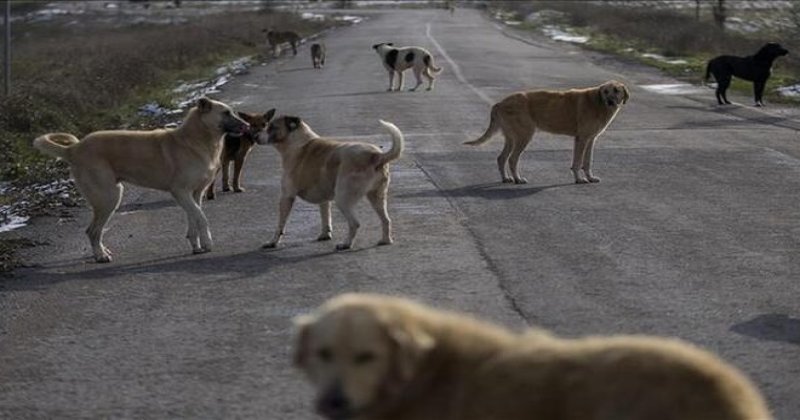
771	327
488	191
296	69
372	92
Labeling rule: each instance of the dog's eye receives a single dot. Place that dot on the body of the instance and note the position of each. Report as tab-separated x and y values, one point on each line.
364	358
325	355
227	113
616	90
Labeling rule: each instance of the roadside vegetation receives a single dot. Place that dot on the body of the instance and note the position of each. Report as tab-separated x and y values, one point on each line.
678	40
91	75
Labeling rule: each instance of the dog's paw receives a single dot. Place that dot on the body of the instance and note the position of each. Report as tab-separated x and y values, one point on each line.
593	179
520	181
327	236
581	181
225	188
385	242
202	250
429	89
390	90
343	247
269	245
238	189
210	196
508	180
102	259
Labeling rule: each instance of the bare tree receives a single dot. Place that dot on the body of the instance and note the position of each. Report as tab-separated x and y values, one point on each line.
720	14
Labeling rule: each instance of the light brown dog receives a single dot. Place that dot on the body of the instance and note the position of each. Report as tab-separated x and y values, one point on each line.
321	170
375	357
278	38
581	113
182	161
236	148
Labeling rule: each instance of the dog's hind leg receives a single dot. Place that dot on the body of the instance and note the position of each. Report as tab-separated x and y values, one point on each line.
429	76
210	194
391	81
578	155
377	198
502	160
418	75
347	193
198	233
522	138
722	88
238	164
587	161
400	79
325	216
104	200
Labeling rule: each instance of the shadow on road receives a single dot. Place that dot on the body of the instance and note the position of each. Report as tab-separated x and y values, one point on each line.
772	327
489	191
336	95
154	205
748	118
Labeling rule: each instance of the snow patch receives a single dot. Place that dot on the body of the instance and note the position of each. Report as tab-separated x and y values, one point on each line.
674	89
791	91
13	222
663	59
558	34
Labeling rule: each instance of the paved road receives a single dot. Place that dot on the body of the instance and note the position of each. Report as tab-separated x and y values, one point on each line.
693	233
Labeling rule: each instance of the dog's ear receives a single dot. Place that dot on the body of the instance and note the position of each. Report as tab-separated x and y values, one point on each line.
204	105
391	44
376	46
245	116
411	346
269	115
300	352
625	94
293	122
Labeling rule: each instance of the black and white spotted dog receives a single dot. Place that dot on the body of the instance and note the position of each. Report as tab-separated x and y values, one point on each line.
399	59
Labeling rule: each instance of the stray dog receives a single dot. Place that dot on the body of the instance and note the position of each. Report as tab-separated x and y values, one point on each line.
399	59
236	148
182	161
321	170
277	38
581	113
755	68
318	55
373	357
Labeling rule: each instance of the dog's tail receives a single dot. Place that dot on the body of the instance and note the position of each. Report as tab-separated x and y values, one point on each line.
57	145
397	144
494	125
428	60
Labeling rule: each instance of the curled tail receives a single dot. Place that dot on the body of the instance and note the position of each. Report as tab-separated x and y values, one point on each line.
56	144
494	125
397	144
428	60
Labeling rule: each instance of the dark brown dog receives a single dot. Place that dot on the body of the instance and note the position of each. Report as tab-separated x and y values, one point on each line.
755	68
236	149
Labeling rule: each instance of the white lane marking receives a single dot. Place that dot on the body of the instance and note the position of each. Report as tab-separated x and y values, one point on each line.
455	67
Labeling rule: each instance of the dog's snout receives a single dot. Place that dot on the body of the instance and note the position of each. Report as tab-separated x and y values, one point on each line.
334	404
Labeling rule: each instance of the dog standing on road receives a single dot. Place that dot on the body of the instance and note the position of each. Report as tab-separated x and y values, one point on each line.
581	113
373	357
318	55
755	68
321	170
397	60
182	161
236	148
278	38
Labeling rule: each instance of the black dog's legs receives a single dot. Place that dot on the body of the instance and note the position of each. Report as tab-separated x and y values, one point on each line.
758	91
722	87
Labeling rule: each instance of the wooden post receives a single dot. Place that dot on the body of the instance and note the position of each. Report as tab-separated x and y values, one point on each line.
7	49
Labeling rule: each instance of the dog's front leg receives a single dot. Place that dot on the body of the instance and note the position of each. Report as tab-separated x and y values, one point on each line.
198	234
285	209
391	81
400	79
578	153
587	161
325	215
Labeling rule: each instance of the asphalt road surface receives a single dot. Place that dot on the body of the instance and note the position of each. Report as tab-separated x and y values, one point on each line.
693	233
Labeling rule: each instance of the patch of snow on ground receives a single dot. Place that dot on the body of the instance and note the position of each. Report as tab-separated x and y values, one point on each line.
674	89
661	58
349	18
560	35
13	222
312	16
513	22
793	91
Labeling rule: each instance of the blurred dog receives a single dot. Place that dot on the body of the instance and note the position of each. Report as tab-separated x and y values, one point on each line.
373	357
321	170
397	60
581	113
182	161
318	55
236	148
278	38
755	68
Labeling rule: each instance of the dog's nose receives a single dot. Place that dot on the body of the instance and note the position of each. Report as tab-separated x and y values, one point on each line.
334	404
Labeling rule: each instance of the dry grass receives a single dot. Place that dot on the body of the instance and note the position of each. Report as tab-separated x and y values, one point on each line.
82	81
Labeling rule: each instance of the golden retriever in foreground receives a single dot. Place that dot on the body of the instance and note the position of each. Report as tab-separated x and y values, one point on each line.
375	357
321	170
581	113
182	161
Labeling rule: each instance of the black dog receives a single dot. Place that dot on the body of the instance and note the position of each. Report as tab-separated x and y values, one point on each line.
755	68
